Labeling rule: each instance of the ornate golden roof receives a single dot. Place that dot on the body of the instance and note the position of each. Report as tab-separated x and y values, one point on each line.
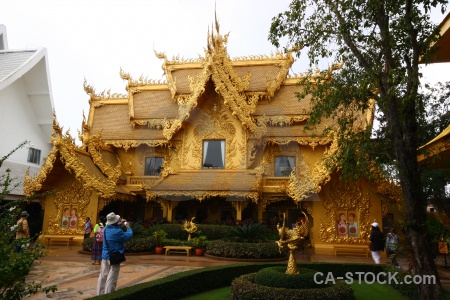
201	184
97	169
153	111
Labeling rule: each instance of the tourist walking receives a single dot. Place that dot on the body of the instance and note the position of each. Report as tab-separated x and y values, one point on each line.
113	239
97	245
376	242
23	230
87	228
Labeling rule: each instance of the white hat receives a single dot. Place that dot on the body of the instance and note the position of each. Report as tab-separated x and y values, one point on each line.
375	224
112	218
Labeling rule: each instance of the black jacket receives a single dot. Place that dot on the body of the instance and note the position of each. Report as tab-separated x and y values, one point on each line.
376	241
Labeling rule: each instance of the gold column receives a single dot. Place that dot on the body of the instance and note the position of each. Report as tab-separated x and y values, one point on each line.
239	207
168	207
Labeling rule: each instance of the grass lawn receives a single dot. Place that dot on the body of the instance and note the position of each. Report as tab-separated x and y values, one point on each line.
376	291
363	291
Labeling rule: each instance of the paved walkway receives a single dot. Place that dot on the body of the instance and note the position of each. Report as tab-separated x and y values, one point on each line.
76	277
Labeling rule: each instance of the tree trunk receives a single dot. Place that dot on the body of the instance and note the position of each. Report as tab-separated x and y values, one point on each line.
422	256
423	263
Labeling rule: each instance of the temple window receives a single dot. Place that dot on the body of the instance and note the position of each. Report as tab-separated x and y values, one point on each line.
34	156
213	154
284	165
153	166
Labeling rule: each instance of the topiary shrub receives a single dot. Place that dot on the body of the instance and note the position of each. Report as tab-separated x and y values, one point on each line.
144	244
87	244
277	277
244	287
264	250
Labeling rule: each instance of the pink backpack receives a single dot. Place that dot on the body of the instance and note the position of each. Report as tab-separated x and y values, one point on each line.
99	234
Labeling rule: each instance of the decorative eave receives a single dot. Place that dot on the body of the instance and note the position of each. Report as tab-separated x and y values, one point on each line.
65	146
304	183
127	144
304	141
200	195
186	103
203	184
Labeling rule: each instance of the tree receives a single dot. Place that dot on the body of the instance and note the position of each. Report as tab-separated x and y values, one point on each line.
381	43
14	266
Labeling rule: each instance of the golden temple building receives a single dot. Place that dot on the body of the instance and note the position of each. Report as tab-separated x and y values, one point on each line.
221	140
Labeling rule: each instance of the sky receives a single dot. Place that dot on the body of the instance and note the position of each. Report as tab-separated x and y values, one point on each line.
94	39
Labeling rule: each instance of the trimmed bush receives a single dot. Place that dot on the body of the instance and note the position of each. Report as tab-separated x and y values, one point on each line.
145	244
244	288
87	244
244	250
277	277
183	284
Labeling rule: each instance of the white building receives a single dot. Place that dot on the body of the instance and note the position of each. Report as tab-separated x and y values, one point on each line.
26	109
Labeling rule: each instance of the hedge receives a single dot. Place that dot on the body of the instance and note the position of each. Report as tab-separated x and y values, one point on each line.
244	288
138	244
196	281
244	250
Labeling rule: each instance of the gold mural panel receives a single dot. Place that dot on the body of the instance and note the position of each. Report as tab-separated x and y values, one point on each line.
70	201
341	202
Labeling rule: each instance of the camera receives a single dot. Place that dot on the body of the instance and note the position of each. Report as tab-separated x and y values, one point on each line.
125	223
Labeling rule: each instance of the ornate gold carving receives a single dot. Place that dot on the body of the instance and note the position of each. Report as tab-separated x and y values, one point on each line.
267	200
321	173
65	145
304	141
189	227
141	81
345	197
70	193
127	144
95	144
153	123
105	95
291	238
197	87
301	185
239	205
282	120
228	83
201	195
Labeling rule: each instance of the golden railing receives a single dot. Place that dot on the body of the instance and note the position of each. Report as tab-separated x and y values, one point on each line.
142	180
275	181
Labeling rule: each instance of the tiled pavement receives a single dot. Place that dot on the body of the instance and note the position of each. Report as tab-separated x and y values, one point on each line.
76	277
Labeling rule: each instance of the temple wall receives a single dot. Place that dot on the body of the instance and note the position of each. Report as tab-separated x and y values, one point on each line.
339	199
212	120
66	209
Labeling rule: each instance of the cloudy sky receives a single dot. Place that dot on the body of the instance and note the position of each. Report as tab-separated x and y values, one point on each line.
94	39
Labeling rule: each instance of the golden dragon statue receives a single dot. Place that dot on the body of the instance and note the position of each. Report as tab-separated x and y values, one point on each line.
291	238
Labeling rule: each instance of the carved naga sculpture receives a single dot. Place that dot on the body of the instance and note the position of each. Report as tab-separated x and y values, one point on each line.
190	227
291	238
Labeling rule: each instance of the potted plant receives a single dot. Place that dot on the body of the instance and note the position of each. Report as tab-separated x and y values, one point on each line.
199	244
159	237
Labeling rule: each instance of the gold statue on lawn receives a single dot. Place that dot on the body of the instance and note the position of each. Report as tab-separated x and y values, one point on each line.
291	238
190	227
